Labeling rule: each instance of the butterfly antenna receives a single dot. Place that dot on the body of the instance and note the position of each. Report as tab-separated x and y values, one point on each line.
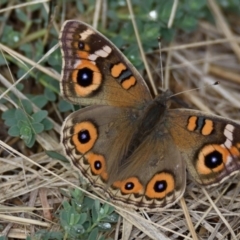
194	89
161	67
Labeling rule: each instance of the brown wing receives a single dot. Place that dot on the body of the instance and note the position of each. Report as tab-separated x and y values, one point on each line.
95	139
209	144
95	72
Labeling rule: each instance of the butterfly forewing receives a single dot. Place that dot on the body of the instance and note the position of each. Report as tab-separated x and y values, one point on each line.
210	144
96	72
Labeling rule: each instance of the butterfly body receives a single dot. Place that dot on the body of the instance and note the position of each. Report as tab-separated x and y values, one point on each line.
126	143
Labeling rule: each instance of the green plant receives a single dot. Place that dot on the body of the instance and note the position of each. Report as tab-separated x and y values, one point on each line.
23	123
82	218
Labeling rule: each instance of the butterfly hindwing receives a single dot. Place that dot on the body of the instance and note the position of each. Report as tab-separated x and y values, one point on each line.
95	140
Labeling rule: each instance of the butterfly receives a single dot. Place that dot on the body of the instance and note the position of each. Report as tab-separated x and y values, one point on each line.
127	144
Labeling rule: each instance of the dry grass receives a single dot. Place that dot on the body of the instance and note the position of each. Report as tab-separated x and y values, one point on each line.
31	181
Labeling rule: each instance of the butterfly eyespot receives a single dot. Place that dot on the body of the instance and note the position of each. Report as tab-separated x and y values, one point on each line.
84	136
81	45
85	77
97	164
160	185
131	185
213	159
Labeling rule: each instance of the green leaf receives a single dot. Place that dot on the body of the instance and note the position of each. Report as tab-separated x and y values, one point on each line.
21	15
112	217
9	114
11	122
196	5
104	226
95	213
39	116
48	125
22	124
37	127
50	95
80	6
64	106
20	73
2	100
66	206
165	11
9	36
25	132
106	208
14	131
118	41
39	46
30	141
39	101
83	218
78	230
27	49
97	205
20	86
93	234
111	209
167	34
49	83
74	218
188	23
88	203
20	115
27	106
54	59
77	200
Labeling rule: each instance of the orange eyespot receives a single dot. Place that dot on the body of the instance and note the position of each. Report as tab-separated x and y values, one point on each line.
212	158
160	185
84	136
129	186
98	165
86	78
